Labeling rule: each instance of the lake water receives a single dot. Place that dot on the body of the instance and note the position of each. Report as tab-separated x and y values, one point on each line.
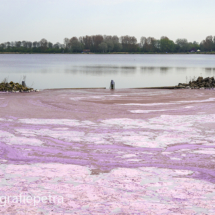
44	71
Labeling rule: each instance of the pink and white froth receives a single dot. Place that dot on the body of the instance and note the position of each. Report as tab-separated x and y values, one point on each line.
109	152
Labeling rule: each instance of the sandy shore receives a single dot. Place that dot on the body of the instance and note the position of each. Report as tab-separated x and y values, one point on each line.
109	152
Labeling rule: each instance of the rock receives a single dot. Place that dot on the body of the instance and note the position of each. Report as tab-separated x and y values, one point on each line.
200	79
200	83
13	87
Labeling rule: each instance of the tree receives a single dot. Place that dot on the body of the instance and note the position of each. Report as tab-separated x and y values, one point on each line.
50	45
57	46
142	42
194	45
129	43
115	39
75	45
67	44
24	44
117	45
96	41
8	45
12	44
166	45
183	45
87	42
43	44
35	44
151	44
110	45
29	44
208	44
109	41
103	47
18	44
2	45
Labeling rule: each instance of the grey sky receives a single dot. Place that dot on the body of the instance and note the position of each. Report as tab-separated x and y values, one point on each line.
54	20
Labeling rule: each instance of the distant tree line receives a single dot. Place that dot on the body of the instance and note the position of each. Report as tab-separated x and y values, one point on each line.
107	44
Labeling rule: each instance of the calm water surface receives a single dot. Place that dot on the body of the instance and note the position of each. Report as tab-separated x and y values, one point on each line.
71	71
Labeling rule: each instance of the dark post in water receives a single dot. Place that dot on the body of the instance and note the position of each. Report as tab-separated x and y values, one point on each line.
112	85
23	84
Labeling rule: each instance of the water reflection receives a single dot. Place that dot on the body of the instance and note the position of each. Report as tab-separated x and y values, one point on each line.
181	69
165	69
162	68
208	69
106	67
148	68
128	67
101	70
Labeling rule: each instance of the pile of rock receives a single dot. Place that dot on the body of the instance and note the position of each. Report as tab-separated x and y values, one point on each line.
14	87
200	83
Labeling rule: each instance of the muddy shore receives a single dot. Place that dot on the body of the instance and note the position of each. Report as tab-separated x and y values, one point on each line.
129	151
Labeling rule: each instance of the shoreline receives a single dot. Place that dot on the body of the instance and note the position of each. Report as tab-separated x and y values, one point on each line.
105	88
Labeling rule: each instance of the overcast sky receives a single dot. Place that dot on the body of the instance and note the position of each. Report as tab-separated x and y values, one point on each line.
32	20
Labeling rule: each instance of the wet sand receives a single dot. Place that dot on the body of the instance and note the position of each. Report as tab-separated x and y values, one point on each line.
109	152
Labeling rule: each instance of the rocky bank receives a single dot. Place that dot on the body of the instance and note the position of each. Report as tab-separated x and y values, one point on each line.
200	83
14	87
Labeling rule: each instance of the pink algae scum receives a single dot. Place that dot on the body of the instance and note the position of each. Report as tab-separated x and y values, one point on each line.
109	152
